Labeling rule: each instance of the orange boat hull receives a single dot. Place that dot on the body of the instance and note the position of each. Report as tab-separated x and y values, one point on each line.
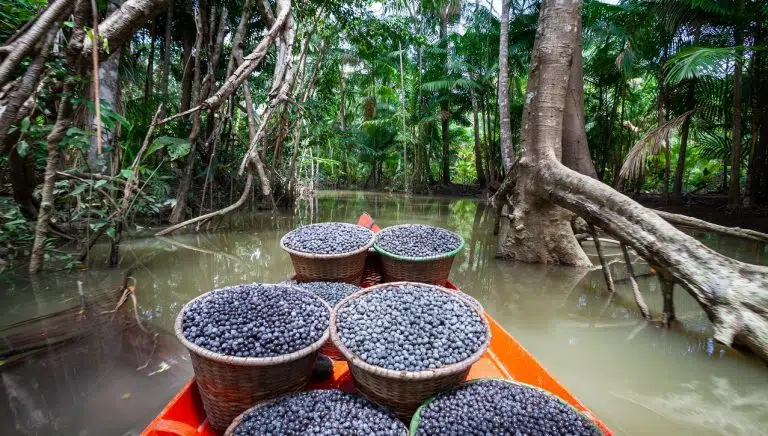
506	358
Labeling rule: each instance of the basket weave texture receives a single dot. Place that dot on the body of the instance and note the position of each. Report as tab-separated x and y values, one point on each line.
416	420
236	422
229	385
342	267
404	391
432	269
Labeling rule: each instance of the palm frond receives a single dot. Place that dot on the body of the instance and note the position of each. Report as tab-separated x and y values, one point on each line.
694	62
651	144
449	84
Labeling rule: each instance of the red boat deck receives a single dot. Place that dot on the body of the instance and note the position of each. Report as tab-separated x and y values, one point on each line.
506	358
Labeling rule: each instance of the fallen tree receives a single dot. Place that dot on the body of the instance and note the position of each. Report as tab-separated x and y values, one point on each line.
544	193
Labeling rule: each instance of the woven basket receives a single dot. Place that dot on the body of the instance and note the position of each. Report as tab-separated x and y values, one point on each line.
341	267
416	420
432	269
229	385
236	422
403	391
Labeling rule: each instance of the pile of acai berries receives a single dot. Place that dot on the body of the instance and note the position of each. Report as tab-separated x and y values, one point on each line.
498	407
328	238
410	327
331	292
255	320
323	412
417	240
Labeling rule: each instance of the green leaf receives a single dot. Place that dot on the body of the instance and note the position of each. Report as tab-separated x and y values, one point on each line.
22	148
177	147
111	233
69	24
25	124
78	190
100	183
128	174
15	222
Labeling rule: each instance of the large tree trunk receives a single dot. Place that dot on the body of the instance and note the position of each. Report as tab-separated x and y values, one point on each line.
575	147
507	152
734	295
734	191
536	230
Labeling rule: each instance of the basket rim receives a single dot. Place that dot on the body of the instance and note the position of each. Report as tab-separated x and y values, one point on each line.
427	374
413	426
451	253
307	255
235	422
249	361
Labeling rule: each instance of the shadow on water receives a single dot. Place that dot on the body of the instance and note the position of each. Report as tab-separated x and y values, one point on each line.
639	378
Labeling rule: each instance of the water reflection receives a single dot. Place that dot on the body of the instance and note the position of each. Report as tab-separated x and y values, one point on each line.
639	378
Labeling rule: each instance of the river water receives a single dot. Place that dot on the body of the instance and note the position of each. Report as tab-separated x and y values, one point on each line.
640	379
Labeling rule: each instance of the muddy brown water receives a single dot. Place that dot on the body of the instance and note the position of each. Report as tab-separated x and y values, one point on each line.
639	378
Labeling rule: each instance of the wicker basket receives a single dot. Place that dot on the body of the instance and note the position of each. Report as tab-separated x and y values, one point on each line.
229	385
236	422
432	269
403	391
416	420
342	267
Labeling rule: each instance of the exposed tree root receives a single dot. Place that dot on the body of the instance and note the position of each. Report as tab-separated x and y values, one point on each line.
633	282
667	292
606	268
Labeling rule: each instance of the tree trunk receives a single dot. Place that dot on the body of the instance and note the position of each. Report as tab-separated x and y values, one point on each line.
63	119
405	129
180	208
109	90
576	154
481	180
148	85
342	103
757	164
486	118
734	295
445	111
505	128
536	230
661	119
166	53
188	43
734	192
677	190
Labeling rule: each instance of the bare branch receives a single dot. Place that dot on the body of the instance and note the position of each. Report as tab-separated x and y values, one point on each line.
220	212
